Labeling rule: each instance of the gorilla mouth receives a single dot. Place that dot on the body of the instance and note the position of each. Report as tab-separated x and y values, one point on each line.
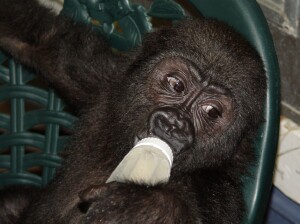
168	125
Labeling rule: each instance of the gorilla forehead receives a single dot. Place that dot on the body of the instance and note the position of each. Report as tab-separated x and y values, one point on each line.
208	43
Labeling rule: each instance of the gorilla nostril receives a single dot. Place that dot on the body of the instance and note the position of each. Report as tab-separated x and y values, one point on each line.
170	128
168	119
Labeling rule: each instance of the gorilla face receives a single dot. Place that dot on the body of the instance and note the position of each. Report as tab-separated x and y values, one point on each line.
187	105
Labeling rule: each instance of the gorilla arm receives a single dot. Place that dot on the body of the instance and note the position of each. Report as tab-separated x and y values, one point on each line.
71	57
193	199
106	204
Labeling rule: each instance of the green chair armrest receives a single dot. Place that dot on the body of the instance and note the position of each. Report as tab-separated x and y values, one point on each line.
247	18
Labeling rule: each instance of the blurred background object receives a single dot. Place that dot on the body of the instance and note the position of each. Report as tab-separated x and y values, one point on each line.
284	21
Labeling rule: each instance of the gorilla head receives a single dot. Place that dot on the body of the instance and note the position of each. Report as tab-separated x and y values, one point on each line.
200	87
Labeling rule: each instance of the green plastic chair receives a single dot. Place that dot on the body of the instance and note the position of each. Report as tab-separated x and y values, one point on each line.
33	121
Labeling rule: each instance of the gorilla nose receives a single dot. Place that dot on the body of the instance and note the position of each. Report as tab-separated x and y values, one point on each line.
169	125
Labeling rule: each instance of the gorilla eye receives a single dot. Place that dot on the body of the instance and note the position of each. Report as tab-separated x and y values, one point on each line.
211	111
175	84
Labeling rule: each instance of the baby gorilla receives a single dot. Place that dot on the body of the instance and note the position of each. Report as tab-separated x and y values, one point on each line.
199	86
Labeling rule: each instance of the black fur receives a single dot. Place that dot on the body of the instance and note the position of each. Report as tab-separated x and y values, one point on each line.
14	201
110	93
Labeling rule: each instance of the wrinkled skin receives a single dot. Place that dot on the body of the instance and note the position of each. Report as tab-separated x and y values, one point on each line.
199	86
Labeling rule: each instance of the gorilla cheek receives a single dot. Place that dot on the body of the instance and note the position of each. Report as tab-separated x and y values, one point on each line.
171	126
